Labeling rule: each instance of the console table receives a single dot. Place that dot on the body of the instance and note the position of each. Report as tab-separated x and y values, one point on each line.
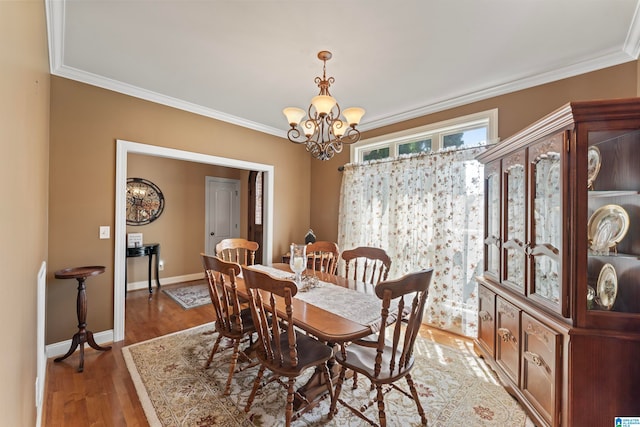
82	336
147	249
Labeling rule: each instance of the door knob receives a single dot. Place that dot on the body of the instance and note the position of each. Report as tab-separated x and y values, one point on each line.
212	234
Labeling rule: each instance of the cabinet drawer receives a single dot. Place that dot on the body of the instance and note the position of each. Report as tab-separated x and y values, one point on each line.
508	338
541	366
486	319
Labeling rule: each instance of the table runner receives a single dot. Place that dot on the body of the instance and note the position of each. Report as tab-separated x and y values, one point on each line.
353	305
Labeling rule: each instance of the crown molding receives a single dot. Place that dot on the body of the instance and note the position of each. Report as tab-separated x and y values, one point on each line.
632	43
586	66
148	95
55	11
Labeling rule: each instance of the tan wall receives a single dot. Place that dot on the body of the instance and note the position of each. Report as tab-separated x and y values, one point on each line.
515	111
85	123
24	136
180	228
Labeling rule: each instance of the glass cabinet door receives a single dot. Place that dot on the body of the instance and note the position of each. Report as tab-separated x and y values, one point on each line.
515	219
545	282
492	222
612	218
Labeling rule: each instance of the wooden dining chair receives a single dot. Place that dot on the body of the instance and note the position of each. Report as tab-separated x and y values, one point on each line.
282	349
366	264
232	322
241	251
390	357
323	256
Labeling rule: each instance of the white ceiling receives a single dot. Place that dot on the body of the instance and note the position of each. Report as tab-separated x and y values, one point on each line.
243	61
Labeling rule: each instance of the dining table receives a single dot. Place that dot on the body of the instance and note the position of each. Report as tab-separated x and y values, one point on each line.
332	308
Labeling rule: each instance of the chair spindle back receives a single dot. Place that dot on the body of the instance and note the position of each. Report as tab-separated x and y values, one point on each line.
414	288
366	264
323	256
238	250
268	295
221	277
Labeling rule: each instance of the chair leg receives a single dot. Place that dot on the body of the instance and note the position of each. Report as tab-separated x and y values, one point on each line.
333	409
213	351
414	393
290	393
232	366
381	414
256	385
328	382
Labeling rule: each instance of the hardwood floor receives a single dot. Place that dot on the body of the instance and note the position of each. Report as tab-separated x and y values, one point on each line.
104	395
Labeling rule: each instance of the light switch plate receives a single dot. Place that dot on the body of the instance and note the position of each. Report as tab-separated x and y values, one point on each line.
105	231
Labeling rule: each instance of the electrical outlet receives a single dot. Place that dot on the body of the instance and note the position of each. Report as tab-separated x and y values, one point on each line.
161	265
105	231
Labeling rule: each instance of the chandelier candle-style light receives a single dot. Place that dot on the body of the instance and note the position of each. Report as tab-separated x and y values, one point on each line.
324	131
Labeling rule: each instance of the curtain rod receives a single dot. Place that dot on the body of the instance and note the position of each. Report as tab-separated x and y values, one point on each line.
430	153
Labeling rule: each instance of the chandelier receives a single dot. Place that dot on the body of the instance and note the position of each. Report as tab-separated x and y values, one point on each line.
324	131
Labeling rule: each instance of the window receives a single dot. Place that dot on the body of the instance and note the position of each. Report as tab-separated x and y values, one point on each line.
258	199
467	131
255	229
380	153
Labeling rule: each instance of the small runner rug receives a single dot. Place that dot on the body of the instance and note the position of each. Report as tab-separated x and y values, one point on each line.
190	296
455	388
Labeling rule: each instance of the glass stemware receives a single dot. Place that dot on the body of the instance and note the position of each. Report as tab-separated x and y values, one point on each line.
298	261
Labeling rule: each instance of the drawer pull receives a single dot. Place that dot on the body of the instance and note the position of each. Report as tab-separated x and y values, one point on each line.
537	360
534	358
485	316
506	335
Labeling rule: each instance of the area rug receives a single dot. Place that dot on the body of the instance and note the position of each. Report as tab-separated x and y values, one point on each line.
455	388
190	296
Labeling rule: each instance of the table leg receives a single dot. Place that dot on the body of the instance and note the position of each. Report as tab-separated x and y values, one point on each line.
82	336
158	266
316	387
126	263
92	343
149	276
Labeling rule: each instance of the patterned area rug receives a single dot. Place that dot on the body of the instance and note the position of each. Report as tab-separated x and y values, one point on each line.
190	296
456	389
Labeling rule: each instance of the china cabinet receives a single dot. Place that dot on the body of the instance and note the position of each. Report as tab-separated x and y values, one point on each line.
559	297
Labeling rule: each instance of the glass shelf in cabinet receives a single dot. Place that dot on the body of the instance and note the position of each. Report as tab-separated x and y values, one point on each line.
614	255
612	193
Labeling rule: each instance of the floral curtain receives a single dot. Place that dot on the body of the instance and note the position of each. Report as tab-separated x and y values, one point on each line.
426	211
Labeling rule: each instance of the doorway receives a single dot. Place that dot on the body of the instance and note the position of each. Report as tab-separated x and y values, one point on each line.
123	148
255	227
222	211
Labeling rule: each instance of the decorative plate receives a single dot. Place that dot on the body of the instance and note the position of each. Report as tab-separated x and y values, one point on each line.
607	227
593	164
607	287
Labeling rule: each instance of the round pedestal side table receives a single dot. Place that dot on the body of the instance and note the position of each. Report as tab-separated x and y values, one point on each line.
82	336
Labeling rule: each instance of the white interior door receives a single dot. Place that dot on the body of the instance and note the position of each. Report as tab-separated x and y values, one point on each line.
222	211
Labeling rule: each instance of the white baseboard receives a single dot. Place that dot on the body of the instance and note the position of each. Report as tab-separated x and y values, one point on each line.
60	348
144	284
41	358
